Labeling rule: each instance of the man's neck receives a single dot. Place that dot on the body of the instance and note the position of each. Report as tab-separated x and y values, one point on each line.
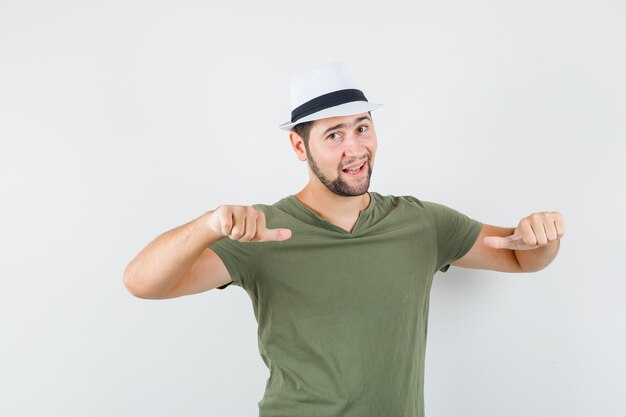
337	209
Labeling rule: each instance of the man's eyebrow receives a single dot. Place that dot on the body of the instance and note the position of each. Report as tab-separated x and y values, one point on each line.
343	124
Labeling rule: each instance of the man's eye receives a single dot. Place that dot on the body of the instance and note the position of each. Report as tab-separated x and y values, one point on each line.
363	127
331	135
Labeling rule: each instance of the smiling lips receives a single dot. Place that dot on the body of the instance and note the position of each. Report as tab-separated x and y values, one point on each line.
356	170
356	166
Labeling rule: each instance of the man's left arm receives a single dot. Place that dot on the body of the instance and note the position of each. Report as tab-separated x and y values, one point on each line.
529	247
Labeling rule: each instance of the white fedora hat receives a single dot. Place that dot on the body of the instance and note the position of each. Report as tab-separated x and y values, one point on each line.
324	92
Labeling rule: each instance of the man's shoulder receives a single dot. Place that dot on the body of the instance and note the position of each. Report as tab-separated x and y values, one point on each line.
278	205
395	200
283	210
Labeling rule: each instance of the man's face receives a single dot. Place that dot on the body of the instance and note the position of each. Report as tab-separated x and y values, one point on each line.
338	143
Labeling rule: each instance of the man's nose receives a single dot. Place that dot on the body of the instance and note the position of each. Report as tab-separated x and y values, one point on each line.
354	145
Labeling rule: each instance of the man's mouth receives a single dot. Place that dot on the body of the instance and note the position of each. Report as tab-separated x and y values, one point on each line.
356	171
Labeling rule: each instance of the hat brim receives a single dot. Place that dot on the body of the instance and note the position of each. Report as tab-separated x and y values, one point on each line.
346	109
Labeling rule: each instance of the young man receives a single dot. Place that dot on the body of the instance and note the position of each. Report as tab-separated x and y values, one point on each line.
339	276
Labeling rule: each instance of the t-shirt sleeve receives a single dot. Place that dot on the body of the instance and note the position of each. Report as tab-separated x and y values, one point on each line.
240	259
456	233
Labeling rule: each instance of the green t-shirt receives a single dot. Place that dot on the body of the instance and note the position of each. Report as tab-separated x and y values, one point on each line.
342	316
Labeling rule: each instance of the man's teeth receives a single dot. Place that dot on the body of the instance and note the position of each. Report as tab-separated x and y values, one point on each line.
354	169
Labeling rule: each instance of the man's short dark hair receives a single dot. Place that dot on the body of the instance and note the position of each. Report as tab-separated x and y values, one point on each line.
303	130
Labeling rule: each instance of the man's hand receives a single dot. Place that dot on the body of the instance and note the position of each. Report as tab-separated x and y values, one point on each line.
244	223
534	231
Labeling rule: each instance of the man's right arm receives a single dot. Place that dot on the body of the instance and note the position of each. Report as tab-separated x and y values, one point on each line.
178	262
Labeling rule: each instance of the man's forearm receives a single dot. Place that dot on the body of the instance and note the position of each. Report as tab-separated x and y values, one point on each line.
165	260
537	259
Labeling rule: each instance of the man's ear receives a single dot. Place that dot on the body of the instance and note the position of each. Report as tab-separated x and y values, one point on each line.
297	143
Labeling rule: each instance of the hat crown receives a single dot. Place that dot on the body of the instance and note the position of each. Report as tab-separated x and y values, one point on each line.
324	92
319	81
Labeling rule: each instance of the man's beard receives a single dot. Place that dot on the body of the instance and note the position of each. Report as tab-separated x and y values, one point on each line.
339	186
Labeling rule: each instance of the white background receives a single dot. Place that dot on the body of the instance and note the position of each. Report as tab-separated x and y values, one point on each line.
120	120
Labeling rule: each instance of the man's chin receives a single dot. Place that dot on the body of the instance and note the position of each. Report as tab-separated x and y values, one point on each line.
348	191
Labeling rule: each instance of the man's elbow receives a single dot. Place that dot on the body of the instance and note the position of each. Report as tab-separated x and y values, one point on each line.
136	286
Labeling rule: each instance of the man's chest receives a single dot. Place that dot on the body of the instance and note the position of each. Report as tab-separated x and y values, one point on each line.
316	275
